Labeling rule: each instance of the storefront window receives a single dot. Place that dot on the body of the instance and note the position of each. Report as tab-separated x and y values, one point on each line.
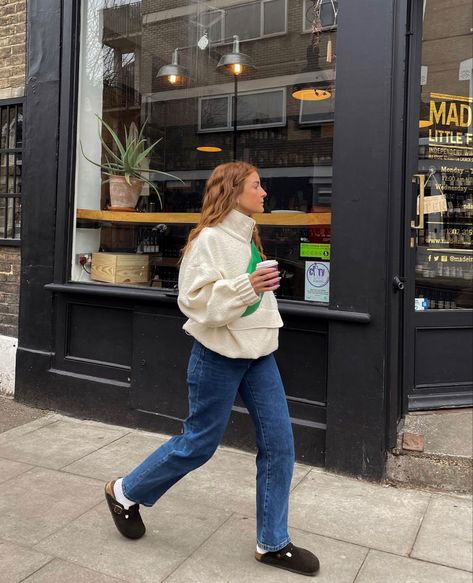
156	64
444	266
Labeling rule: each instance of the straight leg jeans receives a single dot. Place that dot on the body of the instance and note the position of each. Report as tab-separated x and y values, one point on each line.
214	381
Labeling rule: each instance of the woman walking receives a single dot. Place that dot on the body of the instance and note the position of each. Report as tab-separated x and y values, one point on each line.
234	320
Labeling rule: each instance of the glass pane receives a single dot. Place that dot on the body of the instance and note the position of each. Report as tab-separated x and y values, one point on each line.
19	128
260	109
18	218
3	173
327	12
214	113
189	121
3	127
212	23
245	21
444	256
315	112
328	9
274	17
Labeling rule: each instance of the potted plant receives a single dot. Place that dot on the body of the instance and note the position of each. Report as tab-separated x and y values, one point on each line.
125	169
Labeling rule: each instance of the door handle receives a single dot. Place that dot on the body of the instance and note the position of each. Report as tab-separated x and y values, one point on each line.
399	283
420	178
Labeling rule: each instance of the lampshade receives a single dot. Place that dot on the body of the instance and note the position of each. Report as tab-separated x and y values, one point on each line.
208	149
310	92
235	62
174	73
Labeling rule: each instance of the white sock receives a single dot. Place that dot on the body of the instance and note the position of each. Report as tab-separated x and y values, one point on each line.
120	496
260	550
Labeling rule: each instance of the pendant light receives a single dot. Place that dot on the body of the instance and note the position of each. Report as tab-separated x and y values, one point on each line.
209	149
315	91
310	92
173	73
235	63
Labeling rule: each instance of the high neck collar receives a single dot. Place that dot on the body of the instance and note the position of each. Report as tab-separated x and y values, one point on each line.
239	225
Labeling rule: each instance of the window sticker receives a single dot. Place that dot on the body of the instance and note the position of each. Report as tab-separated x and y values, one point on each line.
317	281
315	250
421	304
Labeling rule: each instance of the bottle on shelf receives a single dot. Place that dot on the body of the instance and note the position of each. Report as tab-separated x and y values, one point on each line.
142	205
153	202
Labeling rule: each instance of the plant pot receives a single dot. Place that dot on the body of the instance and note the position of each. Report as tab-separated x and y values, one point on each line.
124	195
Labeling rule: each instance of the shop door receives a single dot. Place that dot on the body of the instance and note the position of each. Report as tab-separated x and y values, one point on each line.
439	229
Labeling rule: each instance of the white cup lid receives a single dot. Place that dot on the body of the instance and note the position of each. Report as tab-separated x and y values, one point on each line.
266	264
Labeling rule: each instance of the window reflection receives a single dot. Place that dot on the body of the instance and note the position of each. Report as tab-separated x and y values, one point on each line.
444	266
292	45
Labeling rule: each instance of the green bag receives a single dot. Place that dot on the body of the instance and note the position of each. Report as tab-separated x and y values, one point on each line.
255	258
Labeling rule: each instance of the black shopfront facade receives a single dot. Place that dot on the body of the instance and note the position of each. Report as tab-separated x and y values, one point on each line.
393	332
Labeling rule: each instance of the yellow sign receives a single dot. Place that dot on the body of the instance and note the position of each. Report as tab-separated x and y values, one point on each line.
451	116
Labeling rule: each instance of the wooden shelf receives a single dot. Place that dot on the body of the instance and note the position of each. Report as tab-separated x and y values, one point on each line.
322	217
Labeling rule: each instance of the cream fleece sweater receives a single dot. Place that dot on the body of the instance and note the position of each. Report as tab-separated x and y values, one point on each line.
215	290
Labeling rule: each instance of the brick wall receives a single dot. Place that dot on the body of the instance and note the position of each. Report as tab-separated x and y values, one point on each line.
12	48
9	290
12	84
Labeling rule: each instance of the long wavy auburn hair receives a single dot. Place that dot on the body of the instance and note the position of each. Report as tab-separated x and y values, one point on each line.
222	189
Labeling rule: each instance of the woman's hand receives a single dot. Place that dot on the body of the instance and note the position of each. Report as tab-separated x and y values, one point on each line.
264	280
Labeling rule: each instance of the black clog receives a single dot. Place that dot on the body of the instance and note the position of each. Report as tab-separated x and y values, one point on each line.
128	521
291	558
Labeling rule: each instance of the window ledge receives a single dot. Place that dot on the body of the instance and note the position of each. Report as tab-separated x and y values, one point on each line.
287	307
297	308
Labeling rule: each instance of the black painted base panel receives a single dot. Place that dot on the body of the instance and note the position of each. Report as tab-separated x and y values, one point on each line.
40	386
71	395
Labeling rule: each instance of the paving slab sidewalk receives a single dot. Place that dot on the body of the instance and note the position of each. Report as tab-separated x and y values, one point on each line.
13	413
56	527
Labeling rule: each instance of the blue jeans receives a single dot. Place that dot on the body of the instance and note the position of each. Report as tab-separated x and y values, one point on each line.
214	381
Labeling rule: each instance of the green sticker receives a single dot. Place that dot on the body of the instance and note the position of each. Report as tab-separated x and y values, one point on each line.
315	250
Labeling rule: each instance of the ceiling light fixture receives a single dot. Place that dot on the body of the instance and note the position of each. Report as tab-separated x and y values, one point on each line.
235	62
174	73
309	92
208	149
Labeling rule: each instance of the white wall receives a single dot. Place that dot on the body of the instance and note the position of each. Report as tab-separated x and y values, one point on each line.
88	176
8	347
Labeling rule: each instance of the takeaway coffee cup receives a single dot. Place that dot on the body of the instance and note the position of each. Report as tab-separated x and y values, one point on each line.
267	264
